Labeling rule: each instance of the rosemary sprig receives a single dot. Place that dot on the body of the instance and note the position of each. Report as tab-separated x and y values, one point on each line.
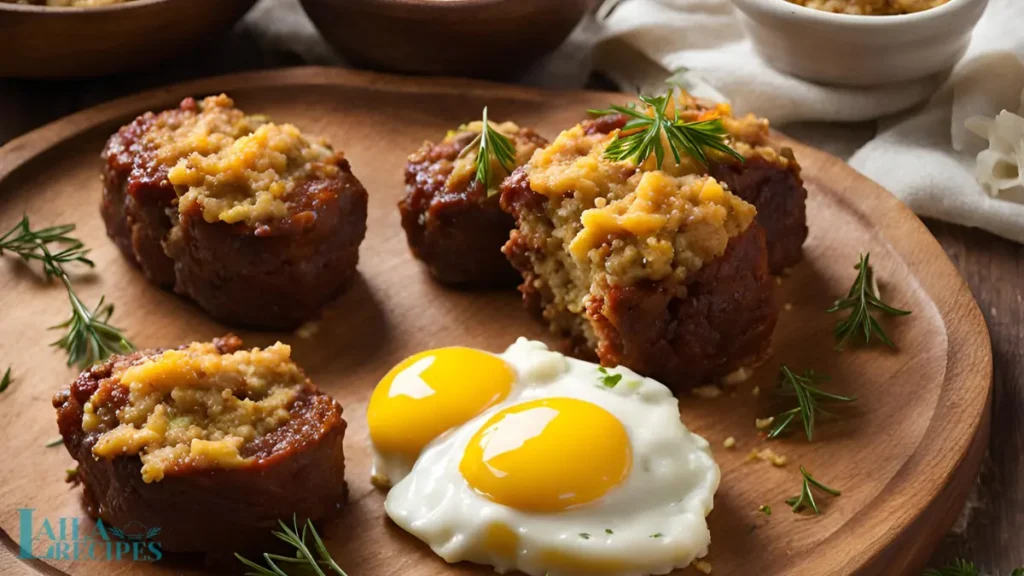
303	554
806	497
89	337
861	299
808	395
642	134
27	243
961	567
958	567
490	143
6	381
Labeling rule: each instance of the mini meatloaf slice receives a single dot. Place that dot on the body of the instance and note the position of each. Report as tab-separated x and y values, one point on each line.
138	201
256	222
453	222
662	271
769	178
209	442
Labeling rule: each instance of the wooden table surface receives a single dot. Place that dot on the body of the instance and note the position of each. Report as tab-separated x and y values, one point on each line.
991	532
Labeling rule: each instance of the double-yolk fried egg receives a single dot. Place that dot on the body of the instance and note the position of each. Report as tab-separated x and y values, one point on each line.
536	462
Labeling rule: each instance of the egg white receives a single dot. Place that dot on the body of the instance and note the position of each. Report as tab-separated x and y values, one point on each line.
655	519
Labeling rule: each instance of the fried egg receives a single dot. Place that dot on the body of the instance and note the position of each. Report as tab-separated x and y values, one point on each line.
536	462
426	395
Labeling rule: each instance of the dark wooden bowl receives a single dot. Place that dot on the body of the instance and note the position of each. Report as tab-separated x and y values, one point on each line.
484	38
43	42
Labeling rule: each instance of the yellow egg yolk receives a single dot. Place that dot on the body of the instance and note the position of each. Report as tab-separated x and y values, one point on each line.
432	392
548	455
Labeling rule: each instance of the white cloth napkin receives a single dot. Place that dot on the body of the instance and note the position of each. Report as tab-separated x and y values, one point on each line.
926	156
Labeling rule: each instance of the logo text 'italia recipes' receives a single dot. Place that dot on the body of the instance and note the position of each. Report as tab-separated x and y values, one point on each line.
73	538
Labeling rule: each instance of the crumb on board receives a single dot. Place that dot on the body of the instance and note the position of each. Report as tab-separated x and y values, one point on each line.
709	392
730	442
787	306
778	280
738	375
756	391
763	423
702	566
308	330
767	455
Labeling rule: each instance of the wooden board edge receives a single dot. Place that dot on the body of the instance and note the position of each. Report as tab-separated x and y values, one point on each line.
969	349
884	208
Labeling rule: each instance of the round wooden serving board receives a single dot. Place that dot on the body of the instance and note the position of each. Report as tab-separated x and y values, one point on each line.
904	455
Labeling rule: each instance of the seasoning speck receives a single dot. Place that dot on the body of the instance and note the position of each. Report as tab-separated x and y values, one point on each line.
730	442
308	330
709	392
763	423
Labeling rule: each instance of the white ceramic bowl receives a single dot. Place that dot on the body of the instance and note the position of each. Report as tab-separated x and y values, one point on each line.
860	50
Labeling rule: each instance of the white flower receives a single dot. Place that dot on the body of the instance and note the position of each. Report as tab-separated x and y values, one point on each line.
999	167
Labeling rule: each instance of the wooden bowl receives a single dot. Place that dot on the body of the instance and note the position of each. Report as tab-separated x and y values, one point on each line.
44	42
482	38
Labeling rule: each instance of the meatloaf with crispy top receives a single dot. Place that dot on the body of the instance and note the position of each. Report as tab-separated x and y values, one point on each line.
663	270
212	443
256	222
454	222
768	178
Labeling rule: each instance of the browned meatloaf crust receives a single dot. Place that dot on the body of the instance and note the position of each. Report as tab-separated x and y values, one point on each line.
724	323
454	225
768	179
137	198
686	330
296	469
272	274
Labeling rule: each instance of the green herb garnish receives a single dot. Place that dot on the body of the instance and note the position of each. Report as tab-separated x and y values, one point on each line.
54	442
806	498
27	244
89	337
6	381
961	567
608	531
808	395
608	380
303	555
958	567
765	509
656	535
642	134
490	143
584	535
861	299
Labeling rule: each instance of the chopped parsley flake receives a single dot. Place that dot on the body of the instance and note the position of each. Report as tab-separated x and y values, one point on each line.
607	379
